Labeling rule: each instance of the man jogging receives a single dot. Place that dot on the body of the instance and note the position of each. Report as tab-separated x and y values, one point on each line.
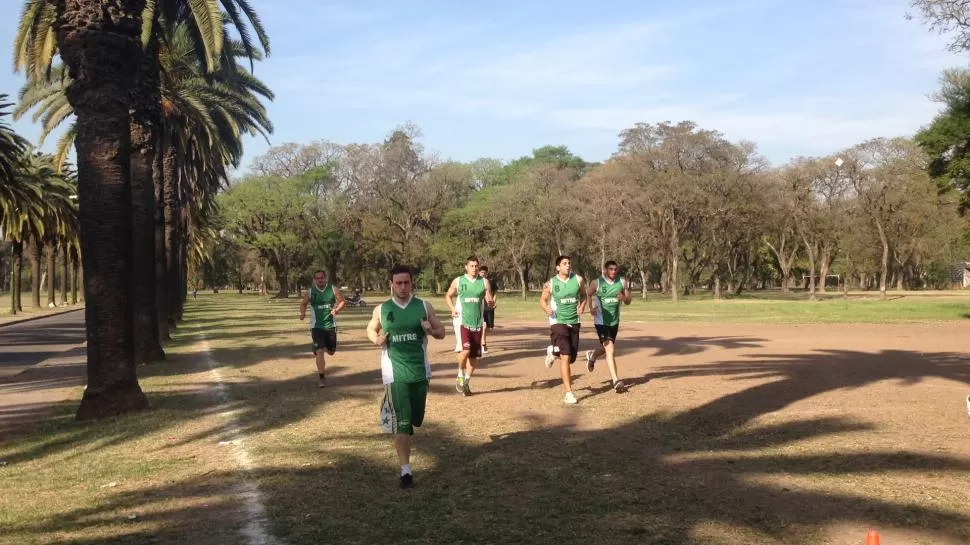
401	326
607	292
489	314
473	292
326	302
564	301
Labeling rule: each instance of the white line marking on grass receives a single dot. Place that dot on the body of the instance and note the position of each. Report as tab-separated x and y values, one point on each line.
256	531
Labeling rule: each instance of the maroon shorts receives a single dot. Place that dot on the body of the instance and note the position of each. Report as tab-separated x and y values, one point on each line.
471	340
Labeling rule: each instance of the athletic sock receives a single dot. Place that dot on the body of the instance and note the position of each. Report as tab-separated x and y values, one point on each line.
405	469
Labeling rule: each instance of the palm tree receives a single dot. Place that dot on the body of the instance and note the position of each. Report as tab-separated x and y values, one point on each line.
34	48
19	201
100	45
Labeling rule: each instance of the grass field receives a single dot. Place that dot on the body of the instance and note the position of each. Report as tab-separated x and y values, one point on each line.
732	433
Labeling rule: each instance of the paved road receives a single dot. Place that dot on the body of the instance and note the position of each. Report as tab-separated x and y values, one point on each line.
26	344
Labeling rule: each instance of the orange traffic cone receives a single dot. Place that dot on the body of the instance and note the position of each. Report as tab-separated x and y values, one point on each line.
872	537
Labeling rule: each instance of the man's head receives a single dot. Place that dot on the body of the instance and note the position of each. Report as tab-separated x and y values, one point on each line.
401	281
471	266
563	265
320	278
483	271
611	269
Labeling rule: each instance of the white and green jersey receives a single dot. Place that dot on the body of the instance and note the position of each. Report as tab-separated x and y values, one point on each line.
607	300
322	303
565	299
471	298
404	357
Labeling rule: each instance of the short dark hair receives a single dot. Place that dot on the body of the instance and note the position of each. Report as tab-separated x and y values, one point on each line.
320	271
471	258
401	269
483	268
611	263
560	258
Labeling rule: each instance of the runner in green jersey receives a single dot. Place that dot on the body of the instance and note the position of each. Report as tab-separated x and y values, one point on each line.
474	293
326	302
401	326
564	301
606	293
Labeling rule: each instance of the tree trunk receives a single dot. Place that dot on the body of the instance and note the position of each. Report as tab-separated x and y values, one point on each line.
885	259
717	285
674	261
171	214
33	253
16	276
65	272
810	250
901	280
51	274
522	280
183	265
643	282
100	44
825	261
143	129
161	274
75	277
282	276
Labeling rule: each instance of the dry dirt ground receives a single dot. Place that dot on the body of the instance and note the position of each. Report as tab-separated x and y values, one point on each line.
730	434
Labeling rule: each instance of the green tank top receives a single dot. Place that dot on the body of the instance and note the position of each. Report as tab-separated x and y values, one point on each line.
322	301
565	300
405	355
471	297
607	300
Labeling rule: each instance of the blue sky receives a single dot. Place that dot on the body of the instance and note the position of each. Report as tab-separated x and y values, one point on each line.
499	78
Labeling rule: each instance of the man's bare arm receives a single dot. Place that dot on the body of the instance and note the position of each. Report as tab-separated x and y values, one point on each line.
590	293
303	304
544	299
452	290
341	302
583	300
433	325
374	332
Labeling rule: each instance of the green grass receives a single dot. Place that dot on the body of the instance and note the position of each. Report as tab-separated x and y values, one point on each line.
760	307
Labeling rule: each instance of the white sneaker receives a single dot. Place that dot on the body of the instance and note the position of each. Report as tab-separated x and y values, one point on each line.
968	405
569	398
590	361
550	357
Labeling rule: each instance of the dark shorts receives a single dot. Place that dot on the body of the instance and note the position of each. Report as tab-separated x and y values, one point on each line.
471	340
607	332
402	408
565	340
489	316
325	339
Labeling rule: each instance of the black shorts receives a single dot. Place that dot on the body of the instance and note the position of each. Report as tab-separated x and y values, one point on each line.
607	332
565	340
325	339
488	315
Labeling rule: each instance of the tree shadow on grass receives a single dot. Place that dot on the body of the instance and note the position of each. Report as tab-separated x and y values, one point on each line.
656	480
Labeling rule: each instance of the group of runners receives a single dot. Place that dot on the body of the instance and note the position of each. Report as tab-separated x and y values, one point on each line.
401	325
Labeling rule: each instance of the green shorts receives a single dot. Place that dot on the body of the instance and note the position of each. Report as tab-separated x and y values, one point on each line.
402	408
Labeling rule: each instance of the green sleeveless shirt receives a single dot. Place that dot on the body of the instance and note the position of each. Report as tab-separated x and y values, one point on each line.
608	301
405	355
322	302
564	300
471	297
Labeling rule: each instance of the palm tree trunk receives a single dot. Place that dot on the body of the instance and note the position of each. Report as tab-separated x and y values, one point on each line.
35	250
161	276
16	270
51	274
146	100
75	276
65	272
171	232
183	261
100	44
